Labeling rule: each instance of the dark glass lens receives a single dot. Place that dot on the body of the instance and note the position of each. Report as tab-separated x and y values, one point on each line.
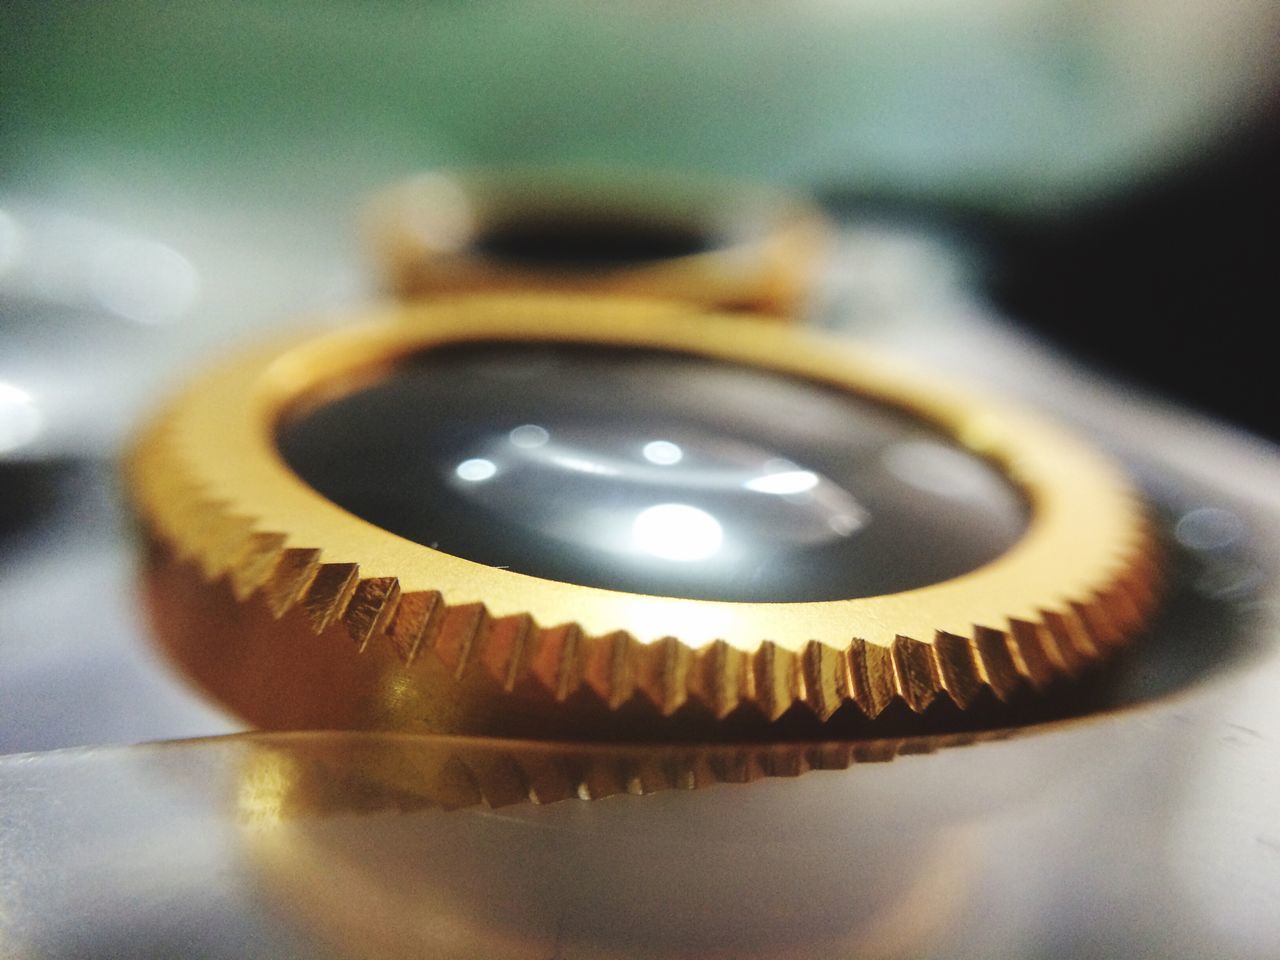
587	244
655	473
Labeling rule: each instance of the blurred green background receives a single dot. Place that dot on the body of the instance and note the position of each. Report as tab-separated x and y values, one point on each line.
1014	104
1110	161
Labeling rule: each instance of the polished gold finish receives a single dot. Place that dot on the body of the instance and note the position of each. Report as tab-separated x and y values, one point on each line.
758	249
303	614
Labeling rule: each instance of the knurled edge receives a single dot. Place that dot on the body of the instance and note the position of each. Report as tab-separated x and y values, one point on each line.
561	659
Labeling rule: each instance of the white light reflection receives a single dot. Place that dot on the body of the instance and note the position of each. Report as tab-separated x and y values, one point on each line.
143	281
846	524
476	470
1208	528
583	465
677	531
530	436
664	453
784	484
20	419
938	469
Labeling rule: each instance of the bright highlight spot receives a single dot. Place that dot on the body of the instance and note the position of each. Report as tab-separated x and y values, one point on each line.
583	465
20	420
476	470
528	437
845	524
662	452
264	788
677	531
783	484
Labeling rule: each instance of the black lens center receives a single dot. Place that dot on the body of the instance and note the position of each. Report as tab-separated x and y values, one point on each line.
655	473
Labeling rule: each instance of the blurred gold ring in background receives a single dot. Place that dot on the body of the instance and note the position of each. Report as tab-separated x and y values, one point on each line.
710	242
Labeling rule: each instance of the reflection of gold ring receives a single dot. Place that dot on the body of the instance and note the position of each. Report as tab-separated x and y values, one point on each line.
441	876
707	242
445	643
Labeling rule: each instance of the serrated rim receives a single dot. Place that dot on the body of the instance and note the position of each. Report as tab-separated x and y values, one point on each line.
207	480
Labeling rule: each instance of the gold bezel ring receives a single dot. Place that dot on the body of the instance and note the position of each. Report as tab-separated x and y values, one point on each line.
210	485
760	248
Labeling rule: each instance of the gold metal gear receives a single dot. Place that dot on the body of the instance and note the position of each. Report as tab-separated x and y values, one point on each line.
248	562
715	243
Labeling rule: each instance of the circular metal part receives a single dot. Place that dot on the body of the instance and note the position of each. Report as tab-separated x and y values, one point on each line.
298	612
710	242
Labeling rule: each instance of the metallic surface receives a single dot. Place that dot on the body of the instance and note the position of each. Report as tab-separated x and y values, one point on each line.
714	243
410	637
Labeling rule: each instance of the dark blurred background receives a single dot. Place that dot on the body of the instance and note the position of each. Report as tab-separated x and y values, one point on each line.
1174	283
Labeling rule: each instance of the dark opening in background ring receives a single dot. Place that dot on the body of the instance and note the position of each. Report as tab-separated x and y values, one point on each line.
589	243
656	473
